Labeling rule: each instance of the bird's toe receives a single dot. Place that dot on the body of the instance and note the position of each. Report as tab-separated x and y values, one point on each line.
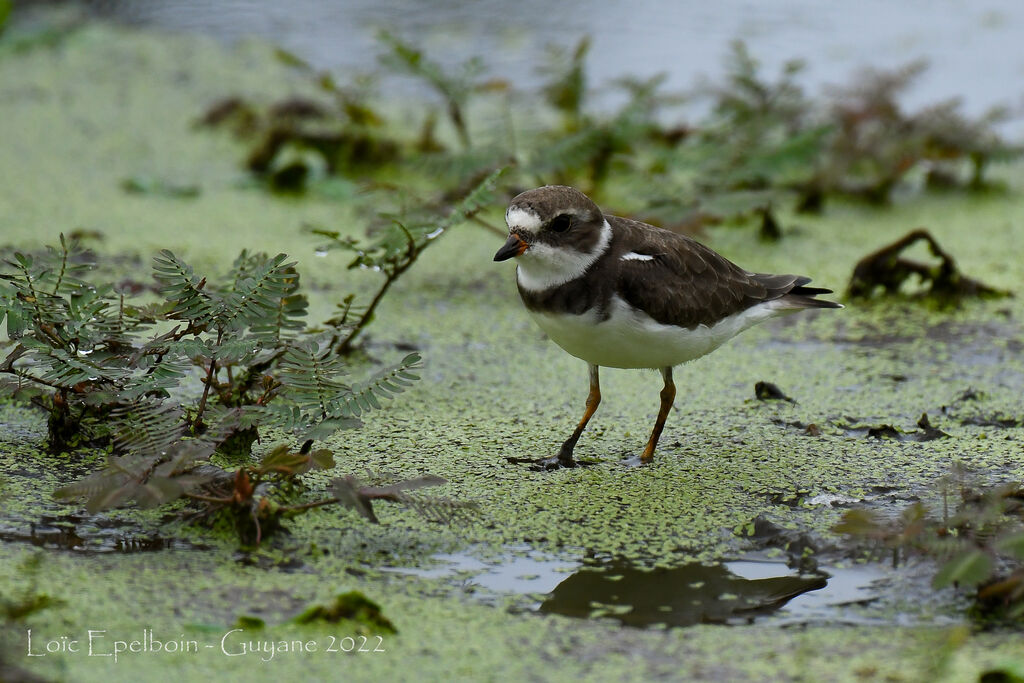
544	464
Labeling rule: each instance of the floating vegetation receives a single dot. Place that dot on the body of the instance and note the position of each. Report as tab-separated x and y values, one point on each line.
145	185
886	431
15	609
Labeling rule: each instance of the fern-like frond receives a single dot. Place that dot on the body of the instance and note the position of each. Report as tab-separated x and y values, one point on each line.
192	347
182	288
481	196
310	377
67	265
235	350
444	510
67	369
154	375
112	485
349	313
385	384
147	428
286	311
284	322
359	496
257	290
149	481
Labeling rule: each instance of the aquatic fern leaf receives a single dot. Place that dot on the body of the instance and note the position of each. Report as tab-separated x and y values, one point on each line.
68	369
181	287
147	428
156	376
386	384
234	350
481	196
111	486
355	494
193	348
445	510
285	320
283	461
310	377
146	480
968	568
347	491
260	284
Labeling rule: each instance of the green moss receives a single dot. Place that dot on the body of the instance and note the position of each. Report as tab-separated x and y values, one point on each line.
118	104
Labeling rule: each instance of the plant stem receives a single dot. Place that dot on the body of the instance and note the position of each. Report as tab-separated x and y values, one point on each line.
480	221
412	253
309	506
16	353
198	421
207	499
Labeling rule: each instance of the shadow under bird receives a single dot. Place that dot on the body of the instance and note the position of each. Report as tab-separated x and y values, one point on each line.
619	293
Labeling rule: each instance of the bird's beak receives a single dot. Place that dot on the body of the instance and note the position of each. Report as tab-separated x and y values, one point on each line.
514	246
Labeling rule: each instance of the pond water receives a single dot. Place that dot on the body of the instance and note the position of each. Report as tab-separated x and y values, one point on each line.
973	47
728	593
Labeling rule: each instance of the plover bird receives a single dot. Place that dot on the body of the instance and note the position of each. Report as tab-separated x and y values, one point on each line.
619	293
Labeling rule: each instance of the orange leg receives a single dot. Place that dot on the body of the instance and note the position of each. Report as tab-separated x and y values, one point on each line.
668	394
593	401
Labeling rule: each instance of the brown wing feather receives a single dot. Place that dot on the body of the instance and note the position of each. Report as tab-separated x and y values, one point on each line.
686	283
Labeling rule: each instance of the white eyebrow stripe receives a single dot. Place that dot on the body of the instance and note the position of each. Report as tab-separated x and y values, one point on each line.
522	219
633	256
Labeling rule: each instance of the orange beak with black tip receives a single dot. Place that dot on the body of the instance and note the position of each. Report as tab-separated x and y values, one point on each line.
514	246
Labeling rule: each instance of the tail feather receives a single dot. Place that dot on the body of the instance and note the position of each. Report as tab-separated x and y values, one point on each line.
791	293
802	301
809	291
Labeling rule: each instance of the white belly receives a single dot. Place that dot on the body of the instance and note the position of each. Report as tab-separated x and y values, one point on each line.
632	339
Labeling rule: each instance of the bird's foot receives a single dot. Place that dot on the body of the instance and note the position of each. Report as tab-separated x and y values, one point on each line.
555	462
636	461
564	460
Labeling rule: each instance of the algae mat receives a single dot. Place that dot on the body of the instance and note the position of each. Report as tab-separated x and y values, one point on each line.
732	475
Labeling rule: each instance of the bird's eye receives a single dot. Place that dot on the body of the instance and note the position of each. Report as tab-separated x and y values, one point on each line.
561	223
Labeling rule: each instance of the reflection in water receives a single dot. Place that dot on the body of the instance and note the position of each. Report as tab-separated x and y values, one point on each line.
681	596
733	592
88	534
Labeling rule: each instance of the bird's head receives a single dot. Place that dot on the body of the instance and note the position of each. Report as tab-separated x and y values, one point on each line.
554	227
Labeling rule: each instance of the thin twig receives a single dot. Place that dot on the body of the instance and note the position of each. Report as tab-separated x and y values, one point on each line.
493	228
400	267
309	506
208	499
